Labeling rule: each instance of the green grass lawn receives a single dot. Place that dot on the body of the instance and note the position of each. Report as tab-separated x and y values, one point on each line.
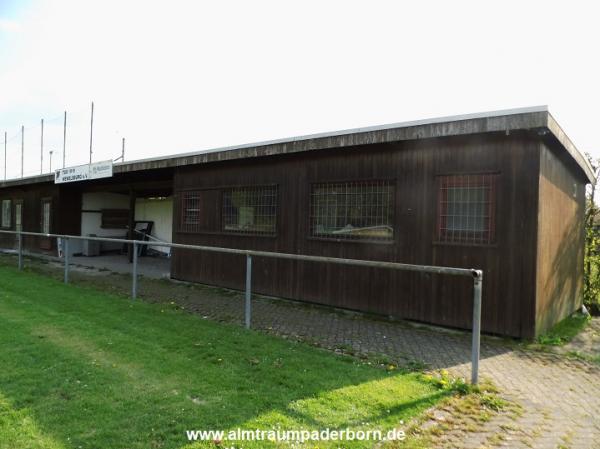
565	330
83	369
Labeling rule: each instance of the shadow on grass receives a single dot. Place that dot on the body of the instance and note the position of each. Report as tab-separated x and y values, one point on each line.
92	370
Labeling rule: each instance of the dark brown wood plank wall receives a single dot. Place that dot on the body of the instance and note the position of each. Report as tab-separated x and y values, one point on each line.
31	196
509	264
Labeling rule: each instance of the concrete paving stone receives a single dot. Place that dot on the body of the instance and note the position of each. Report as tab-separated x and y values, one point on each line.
560	397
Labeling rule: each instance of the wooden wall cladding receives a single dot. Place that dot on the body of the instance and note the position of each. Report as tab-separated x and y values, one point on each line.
561	234
509	263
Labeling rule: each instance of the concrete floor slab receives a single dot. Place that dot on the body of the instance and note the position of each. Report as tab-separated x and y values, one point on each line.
151	267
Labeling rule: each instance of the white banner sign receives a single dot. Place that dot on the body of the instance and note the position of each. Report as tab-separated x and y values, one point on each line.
102	169
96	170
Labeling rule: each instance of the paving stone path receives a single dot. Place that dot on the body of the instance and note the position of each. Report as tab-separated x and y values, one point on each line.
560	397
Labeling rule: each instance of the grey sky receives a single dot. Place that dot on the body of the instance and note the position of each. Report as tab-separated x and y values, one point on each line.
179	76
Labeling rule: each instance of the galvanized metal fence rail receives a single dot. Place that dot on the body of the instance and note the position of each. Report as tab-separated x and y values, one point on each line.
475	274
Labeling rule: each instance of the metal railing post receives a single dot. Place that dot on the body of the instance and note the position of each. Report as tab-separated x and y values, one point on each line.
20	257
248	306
477	288
134	271
66	256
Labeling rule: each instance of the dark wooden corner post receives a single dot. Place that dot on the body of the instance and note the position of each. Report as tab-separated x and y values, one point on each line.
131	224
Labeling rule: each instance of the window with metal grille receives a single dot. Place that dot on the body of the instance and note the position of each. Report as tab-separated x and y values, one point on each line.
199	210
466	208
46	216
356	210
190	211
6	213
18	215
250	210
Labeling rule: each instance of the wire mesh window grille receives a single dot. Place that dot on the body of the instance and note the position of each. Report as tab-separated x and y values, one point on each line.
190	211
6	213
356	210
46	216
18	216
250	210
466	208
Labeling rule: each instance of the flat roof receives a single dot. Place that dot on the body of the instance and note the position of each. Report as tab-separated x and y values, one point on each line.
529	118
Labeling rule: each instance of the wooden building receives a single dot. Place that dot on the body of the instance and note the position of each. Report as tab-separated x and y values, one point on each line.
503	192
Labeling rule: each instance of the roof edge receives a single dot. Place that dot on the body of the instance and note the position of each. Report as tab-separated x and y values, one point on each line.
528	118
348	131
570	147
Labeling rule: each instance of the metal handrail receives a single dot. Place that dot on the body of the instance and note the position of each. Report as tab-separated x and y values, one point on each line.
150	236
304	257
475	274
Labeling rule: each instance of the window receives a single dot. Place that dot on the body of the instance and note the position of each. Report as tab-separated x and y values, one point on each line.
250	210
46	216
6	213
466	208
18	215
357	210
199	211
190	212
114	219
